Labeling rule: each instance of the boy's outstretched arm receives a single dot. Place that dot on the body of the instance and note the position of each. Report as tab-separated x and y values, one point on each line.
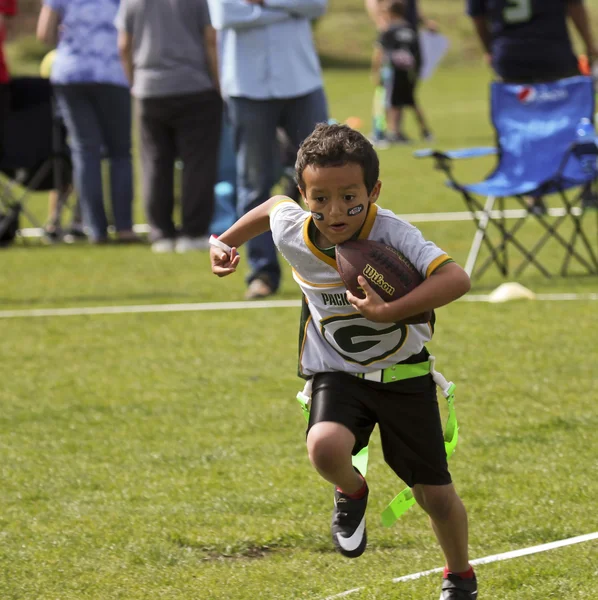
250	225
445	285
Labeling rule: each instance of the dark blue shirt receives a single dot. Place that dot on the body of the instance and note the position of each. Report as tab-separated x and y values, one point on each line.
530	40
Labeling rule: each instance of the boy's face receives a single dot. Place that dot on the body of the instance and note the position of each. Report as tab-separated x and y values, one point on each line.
338	200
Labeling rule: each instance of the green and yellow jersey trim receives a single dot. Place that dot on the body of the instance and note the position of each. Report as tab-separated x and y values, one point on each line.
442	260
304	321
321	254
332	284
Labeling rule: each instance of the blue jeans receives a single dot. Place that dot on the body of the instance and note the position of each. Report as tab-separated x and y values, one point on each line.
258	161
98	120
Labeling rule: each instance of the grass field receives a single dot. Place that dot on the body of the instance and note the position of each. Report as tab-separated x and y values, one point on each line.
152	456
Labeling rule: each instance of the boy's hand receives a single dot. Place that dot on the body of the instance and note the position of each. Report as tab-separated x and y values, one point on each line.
223	264
372	306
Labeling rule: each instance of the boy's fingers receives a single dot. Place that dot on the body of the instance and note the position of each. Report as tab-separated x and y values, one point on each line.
367	288
370	292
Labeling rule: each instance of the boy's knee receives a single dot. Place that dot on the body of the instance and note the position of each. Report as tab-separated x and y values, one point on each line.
329	445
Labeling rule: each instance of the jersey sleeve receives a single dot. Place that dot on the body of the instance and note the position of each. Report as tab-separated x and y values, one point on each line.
286	216
423	254
476	8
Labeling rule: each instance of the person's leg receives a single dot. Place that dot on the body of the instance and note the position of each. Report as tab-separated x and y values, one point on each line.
400	99
395	120
299	118
421	119
197	124
339	426
158	153
329	447
412	441
53	222
85	140
113	106
301	115
425	131
449	522
254	127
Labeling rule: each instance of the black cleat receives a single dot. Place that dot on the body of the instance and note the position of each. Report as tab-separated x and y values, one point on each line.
348	524
456	588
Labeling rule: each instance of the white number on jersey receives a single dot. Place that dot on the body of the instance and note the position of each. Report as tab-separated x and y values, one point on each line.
517	11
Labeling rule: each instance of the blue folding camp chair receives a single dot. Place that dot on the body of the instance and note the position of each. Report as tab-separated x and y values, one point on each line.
539	153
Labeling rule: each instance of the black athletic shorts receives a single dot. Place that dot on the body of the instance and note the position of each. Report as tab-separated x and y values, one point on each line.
407	415
400	89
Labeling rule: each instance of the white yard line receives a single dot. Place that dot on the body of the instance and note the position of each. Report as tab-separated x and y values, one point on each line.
488	559
146	308
211	306
516	213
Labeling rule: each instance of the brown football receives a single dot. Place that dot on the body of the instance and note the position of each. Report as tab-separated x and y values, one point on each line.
389	273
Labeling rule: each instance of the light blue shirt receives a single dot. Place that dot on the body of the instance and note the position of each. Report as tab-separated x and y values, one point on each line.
87	50
268	51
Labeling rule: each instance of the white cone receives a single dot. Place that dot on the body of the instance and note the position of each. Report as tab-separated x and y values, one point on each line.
511	291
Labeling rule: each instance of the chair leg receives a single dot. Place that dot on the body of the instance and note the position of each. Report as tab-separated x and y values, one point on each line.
480	234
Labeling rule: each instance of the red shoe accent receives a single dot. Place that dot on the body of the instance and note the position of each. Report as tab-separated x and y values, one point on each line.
359	494
469	574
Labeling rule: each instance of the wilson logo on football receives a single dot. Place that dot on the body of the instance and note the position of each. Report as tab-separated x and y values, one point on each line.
527	95
370	273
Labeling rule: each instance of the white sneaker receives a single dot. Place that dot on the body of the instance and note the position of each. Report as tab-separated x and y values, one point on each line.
163	246
187	244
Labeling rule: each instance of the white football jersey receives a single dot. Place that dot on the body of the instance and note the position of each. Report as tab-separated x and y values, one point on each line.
334	336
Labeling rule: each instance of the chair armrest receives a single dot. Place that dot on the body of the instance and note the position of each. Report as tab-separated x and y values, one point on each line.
456	154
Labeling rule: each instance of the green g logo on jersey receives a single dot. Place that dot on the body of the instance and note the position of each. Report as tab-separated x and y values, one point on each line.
361	341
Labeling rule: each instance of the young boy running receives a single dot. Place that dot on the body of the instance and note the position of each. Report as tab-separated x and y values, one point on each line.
352	349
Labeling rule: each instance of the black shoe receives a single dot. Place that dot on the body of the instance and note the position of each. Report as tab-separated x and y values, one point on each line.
398	138
74	234
427	136
348	524
455	588
52	235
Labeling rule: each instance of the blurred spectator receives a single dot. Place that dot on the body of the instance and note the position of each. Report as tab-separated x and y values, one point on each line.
8	8
396	53
527	41
170	56
63	181
92	95
225	191
271	78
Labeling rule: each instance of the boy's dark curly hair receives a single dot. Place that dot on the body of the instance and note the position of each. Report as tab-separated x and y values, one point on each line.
335	146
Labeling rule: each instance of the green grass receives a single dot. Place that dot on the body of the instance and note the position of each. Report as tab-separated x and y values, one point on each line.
162	455
153	456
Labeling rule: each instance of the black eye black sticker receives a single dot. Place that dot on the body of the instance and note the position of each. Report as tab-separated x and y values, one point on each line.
355	210
317	216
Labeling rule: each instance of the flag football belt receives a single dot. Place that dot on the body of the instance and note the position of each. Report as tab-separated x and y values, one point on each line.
405	499
396	372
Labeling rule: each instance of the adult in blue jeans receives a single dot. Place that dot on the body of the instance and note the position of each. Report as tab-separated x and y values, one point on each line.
271	78
92	94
